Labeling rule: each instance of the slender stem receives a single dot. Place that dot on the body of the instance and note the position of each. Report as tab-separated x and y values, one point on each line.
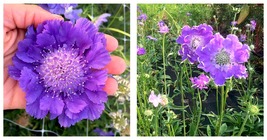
233	25
182	99
156	122
243	125
221	111
199	112
164	64
217	99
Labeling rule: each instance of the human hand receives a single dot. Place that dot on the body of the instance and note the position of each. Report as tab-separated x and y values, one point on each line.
16	19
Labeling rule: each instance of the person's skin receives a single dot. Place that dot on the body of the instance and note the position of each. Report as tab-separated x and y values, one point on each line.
16	19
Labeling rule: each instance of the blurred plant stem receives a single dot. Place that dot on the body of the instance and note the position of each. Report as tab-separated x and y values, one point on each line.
199	112
182	98
164	64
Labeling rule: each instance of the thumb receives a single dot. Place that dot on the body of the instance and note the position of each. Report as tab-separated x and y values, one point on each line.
22	16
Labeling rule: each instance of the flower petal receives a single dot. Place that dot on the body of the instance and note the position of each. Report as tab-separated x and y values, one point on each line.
53	104
75	104
98	57
97	97
34	110
97	78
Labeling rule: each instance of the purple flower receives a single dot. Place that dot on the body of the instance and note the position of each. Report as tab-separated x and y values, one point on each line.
243	37
154	99
233	23
141	51
142	17
101	19
163	28
192	38
200	82
63	9
152	38
60	68
253	25
224	58
100	132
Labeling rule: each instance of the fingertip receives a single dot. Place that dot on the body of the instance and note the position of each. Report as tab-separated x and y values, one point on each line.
111	86
116	66
112	43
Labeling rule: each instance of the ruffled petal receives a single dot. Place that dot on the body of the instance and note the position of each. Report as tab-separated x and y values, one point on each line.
53	104
86	25
97	78
65	121
34	110
219	79
98	57
28	79
97	96
75	104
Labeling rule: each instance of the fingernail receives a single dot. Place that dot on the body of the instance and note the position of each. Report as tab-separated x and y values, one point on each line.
58	17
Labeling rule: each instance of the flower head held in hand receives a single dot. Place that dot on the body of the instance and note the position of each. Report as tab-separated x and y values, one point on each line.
200	82
63	9
224	58
60	67
192	38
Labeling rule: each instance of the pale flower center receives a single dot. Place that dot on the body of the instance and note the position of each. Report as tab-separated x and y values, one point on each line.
63	70
222	58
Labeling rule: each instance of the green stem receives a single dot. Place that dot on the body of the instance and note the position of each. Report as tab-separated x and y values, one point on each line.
221	111
199	112
156	122
164	64
243	125
217	99
182	99
233	25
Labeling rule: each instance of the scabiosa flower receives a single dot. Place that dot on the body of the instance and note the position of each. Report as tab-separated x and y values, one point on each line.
154	99
163	28
141	51
152	38
120	122
243	37
100	132
142	17
224	58
253	25
148	112
192	38
200	82
60	68
101	19
63	9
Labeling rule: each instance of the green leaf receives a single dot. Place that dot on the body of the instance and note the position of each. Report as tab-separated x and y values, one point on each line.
208	130
223	128
243	14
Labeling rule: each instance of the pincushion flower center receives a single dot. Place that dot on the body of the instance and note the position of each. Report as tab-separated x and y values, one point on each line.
195	42
63	70
222	58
